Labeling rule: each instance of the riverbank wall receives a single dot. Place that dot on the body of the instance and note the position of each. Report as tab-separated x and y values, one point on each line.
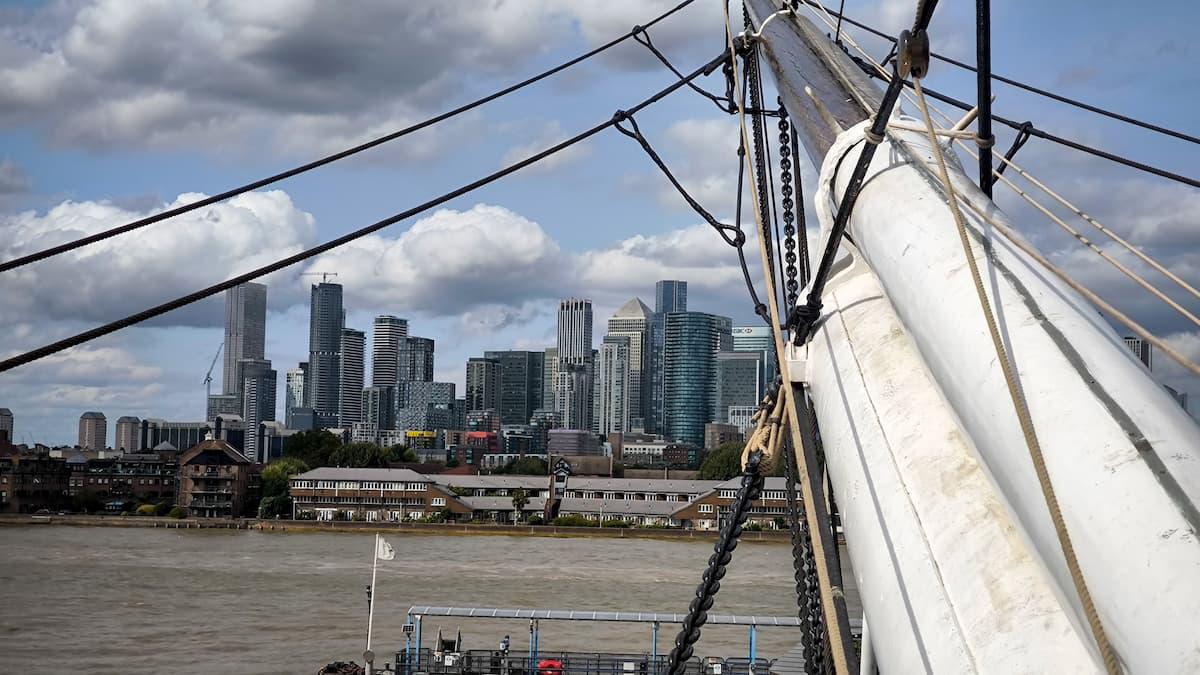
284	526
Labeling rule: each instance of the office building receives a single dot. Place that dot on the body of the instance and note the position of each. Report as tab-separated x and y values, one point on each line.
758	339
691	342
717	434
128	434
742	417
1142	350
636	321
484	420
223	404
294	393
574	330
521	382
245	331
6	425
385	350
259	383
483	384
322	391
379	407
613	384
416	360
93	431
354	345
575	363
740	382
430	406
669	296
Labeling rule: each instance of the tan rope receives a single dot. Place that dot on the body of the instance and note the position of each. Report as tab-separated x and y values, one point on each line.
840	644
1019	404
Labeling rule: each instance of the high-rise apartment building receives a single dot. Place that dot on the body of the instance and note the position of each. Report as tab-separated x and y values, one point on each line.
259	385
669	296
430	406
521	382
294	392
6	425
93	431
322	391
483	384
691	342
385	350
415	364
573	394
245	331
635	320
1141	349
354	346
574	330
379	407
613	385
549	376
128	434
740	382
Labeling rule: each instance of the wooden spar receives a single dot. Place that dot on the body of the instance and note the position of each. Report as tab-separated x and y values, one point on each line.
801	56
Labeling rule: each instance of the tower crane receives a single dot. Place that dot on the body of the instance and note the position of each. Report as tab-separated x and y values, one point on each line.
208	377
324	275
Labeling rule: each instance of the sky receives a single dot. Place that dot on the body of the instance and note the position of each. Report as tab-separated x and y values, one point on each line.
111	110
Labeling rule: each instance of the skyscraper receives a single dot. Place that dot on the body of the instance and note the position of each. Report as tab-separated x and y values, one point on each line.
521	381
1141	349
294	395
669	296
416	360
245	331
574	330
613	384
483	384
259	384
354	345
430	406
93	431
691	343
322	391
128	431
574	350
549	376
740	382
635	321
385	349
758	339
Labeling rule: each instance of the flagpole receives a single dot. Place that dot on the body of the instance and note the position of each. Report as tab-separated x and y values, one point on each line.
371	611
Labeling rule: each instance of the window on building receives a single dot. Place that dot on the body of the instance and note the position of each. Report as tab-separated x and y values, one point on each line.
706	508
416	487
438	501
728	494
775	494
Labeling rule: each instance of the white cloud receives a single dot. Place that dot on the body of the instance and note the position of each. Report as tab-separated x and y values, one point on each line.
550	134
128	273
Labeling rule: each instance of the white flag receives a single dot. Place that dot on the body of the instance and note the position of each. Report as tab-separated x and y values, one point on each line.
384	550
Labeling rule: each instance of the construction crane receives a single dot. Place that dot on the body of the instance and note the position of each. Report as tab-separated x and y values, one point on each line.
208	376
324	275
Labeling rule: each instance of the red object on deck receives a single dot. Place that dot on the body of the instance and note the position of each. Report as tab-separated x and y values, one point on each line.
550	667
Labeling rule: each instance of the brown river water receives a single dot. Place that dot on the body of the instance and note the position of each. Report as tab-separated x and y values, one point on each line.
134	600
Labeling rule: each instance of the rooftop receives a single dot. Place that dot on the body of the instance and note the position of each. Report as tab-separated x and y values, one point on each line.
385	475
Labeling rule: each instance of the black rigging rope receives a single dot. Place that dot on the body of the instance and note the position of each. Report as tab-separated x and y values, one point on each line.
41	352
732	234
710	583
208	201
1021	85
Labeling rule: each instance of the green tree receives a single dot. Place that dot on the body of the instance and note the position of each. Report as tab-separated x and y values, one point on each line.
163	507
87	502
519	500
361	455
271	507
723	463
314	448
145	510
278	474
177	512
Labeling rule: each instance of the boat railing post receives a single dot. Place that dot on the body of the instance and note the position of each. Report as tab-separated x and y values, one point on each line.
753	646
537	633
407	644
654	647
529	667
418	642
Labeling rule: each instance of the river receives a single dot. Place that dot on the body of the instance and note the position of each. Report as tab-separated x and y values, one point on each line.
135	600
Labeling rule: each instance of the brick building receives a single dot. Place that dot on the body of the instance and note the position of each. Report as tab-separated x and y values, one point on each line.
217	481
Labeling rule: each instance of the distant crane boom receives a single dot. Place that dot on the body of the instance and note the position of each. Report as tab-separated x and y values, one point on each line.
324	275
208	376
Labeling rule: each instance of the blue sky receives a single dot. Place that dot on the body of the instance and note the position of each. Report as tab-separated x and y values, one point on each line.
110	110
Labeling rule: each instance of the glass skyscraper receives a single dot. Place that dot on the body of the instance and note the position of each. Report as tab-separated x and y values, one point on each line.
691	342
245	332
521	383
325	321
669	296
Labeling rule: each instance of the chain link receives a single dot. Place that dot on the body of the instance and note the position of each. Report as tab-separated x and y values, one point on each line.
791	285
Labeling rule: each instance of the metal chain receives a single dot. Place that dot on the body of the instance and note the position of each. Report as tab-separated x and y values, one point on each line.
808	595
754	87
710	584
791	285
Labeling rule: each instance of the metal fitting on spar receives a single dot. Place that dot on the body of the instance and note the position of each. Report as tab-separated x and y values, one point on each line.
912	54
